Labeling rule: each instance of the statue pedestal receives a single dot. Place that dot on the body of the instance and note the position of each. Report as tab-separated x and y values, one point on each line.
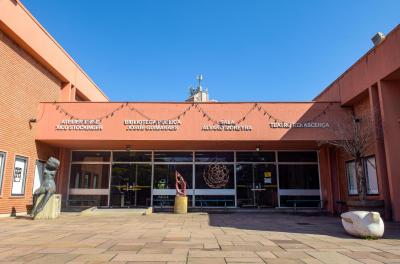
181	204
52	209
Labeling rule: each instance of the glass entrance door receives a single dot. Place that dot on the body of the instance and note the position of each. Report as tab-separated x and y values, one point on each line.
130	185
256	185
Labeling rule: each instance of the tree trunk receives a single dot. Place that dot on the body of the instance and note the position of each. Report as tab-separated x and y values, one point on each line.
361	180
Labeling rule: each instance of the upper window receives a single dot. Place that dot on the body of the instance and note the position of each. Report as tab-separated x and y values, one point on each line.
173	156
2	165
92	156
297	156
351	177
370	170
260	156
214	156
132	156
19	176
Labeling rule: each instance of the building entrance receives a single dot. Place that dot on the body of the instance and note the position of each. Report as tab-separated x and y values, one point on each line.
256	185
130	185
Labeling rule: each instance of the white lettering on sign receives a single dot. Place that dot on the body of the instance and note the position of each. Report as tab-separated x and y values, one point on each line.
152	125
80	125
299	125
226	125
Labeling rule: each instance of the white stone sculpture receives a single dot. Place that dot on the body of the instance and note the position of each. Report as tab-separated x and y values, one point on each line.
363	224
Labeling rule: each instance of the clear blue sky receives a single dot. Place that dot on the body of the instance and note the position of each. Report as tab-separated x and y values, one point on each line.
146	50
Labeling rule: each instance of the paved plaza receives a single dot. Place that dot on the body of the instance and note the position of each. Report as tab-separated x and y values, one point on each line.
191	238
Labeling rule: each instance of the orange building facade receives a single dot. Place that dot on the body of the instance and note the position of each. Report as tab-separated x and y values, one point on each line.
233	154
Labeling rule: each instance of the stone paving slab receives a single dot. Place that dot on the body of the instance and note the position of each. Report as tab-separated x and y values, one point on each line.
192	238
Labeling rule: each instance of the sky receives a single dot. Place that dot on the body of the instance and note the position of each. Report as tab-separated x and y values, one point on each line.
247	50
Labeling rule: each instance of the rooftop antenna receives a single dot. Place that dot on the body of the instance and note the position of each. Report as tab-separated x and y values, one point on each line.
199	79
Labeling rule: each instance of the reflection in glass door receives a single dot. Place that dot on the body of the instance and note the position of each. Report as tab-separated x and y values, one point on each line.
244	185
130	185
256	185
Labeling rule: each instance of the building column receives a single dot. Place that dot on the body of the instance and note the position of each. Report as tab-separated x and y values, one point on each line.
389	98
326	179
68	93
62	180
380	155
335	180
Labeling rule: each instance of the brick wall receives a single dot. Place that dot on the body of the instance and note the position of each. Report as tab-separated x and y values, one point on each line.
23	84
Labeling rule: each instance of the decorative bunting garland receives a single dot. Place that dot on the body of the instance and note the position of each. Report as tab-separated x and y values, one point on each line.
196	106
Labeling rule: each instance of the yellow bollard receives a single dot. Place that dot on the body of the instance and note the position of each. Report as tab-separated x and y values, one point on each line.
181	204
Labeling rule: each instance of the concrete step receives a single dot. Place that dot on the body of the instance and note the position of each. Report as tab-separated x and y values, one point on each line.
231	210
116	211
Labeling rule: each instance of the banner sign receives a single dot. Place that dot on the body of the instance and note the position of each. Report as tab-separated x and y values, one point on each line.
299	125
226	125
80	124
152	125
173	125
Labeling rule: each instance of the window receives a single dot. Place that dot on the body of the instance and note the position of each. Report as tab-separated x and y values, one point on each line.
293	176
261	156
89	176
132	156
370	173
300	201
297	156
215	176
19	176
173	157
370	170
168	200
88	200
351	177
2	165
92	156
164	175
215	200
214	156
39	168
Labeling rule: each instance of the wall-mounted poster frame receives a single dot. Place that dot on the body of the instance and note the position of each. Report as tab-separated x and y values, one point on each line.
19	176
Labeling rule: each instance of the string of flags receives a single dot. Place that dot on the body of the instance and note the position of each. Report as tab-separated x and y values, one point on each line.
194	106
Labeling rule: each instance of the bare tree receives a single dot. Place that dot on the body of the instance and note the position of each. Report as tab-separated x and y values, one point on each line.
354	135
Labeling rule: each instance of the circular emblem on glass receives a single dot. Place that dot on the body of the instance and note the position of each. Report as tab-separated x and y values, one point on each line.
216	175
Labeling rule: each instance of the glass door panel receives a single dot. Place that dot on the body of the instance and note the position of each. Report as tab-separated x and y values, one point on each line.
164	183
265	184
143	184
244	185
130	185
256	185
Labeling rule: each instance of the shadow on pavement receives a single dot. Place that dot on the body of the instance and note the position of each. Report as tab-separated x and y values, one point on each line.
317	225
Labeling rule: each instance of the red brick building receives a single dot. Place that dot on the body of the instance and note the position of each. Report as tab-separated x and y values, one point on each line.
121	154
33	68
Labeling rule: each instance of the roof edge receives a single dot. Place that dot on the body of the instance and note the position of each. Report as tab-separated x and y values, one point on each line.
397	27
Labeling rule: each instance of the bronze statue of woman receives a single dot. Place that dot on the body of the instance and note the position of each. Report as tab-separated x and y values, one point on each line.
48	186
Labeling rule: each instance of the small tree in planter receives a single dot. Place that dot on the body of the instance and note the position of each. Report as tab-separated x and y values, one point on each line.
355	135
